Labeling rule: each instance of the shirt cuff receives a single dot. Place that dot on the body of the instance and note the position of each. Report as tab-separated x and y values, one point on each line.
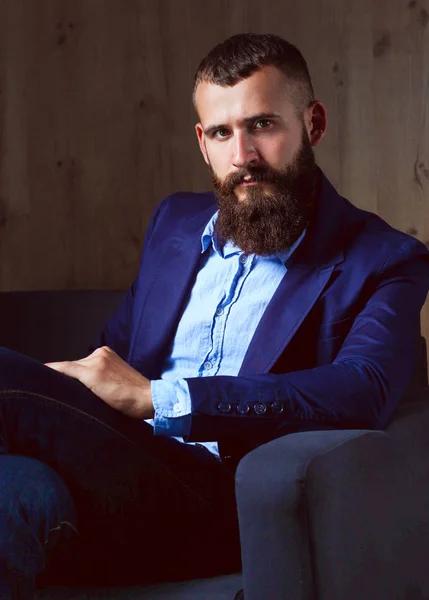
172	403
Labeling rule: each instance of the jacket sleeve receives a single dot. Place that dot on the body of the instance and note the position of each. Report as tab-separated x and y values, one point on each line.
116	332
359	389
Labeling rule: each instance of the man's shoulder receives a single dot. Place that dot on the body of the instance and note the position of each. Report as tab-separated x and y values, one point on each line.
375	225
365	237
184	204
182	215
374	237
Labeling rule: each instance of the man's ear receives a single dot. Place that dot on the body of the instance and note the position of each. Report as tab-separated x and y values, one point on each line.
316	122
200	135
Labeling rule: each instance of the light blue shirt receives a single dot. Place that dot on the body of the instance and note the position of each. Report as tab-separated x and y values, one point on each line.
226	303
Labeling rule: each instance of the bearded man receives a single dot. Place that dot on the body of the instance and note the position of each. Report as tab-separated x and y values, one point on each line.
270	306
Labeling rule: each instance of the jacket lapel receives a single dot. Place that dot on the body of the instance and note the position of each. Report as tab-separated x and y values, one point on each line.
168	292
309	270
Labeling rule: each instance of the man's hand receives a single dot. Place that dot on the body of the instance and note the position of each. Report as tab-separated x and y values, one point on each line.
113	380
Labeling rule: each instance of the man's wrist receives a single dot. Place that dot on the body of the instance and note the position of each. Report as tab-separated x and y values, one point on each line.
145	409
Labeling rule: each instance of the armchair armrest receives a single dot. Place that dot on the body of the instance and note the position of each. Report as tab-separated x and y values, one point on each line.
329	515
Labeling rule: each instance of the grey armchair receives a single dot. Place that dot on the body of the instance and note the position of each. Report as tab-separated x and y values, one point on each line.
324	515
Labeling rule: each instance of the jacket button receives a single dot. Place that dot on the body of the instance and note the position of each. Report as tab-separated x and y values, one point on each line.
260	408
277	407
224	407
243	408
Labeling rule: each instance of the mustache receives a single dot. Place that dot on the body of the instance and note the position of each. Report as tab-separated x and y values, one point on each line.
257	173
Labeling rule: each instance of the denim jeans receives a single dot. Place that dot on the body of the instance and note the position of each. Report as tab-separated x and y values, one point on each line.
89	496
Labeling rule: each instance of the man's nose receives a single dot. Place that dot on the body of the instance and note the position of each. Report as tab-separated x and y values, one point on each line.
244	151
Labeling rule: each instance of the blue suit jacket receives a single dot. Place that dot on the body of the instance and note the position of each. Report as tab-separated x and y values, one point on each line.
335	347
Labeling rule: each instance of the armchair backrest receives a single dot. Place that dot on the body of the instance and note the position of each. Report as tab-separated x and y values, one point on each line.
424	363
419	379
55	325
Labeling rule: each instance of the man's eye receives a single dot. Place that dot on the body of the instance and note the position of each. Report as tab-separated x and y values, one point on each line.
219	131
222	133
263	121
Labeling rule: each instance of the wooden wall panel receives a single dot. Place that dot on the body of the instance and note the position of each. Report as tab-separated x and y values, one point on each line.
97	125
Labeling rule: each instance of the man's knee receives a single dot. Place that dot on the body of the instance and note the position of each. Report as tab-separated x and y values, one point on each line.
13	367
37	514
6	353
21	372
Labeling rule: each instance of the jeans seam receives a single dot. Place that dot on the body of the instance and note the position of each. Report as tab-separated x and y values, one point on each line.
101	425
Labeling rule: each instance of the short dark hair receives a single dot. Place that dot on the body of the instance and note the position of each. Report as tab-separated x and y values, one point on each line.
241	55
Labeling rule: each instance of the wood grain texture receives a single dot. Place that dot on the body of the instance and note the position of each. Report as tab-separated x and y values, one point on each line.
97	124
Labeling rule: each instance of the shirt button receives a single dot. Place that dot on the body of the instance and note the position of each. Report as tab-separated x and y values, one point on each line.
208	365
219	312
176	407
243	258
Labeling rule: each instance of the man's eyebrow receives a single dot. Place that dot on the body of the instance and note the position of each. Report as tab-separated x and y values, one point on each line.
262	115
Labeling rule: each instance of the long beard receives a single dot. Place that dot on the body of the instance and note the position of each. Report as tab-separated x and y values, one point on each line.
266	222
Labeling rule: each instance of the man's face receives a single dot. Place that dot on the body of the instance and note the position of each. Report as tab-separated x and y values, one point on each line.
253	130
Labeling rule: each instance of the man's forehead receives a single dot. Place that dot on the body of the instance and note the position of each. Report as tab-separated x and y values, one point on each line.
262	92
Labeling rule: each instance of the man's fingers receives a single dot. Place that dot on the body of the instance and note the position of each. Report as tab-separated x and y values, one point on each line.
70	368
84	369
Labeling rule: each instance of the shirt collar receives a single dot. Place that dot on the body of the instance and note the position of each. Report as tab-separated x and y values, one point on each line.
209	237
